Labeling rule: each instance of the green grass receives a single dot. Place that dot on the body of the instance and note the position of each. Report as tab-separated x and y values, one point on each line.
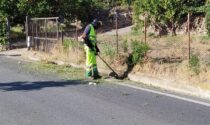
194	64
66	72
109	50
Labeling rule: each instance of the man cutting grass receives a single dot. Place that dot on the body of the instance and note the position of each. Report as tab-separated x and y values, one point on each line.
91	49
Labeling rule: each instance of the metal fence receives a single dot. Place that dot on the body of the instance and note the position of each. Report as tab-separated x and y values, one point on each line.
165	49
42	33
181	47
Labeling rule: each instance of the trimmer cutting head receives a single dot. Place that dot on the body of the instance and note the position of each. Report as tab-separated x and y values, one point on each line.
114	75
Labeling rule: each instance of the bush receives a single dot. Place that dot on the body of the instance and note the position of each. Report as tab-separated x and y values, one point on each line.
3	41
208	19
139	49
3	38
194	64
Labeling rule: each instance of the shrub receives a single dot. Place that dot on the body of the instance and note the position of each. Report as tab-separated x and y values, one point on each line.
3	38
139	50
208	19
194	64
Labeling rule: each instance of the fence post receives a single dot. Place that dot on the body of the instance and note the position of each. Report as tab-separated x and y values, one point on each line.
189	39
35	47
57	29
76	30
46	44
117	31
62	36
27	34
36	40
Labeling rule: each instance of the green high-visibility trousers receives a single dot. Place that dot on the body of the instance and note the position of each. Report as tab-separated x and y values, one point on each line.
91	64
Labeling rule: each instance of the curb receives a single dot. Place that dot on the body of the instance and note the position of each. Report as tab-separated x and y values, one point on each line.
170	85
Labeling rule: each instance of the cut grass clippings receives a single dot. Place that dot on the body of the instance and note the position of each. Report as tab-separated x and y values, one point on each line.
64	71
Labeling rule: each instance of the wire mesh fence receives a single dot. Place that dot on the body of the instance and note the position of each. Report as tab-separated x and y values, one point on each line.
42	33
165	49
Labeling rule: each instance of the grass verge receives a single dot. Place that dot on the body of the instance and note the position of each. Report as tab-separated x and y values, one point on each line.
64	71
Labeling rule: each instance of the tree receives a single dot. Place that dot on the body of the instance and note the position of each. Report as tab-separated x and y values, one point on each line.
166	13
84	10
35	7
208	17
174	9
8	7
3	31
153	12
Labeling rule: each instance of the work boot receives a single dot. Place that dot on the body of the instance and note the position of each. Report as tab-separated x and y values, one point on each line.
97	77
88	76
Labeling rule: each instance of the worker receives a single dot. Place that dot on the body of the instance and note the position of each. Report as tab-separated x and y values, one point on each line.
91	49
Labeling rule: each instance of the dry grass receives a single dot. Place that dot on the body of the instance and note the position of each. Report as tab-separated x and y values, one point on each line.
177	72
168	58
59	52
70	55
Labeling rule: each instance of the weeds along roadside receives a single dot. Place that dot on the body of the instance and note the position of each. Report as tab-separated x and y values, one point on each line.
172	60
63	71
166	56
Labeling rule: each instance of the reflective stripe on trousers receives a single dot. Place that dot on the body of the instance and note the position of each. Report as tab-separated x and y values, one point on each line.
91	64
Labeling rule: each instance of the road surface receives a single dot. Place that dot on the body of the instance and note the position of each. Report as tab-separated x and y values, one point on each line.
29	98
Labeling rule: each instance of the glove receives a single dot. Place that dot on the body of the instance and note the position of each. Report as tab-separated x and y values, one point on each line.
80	39
97	53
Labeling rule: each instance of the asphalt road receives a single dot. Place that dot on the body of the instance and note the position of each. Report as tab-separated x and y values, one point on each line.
28	98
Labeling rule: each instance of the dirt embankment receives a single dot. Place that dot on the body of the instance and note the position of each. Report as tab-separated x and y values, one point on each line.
197	26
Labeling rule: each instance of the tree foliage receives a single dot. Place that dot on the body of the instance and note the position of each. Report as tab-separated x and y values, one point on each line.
84	10
166	13
208	16
2	30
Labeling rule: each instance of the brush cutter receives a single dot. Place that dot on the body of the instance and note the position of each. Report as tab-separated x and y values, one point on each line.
113	74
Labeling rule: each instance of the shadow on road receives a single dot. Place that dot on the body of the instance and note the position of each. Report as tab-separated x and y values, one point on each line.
29	86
